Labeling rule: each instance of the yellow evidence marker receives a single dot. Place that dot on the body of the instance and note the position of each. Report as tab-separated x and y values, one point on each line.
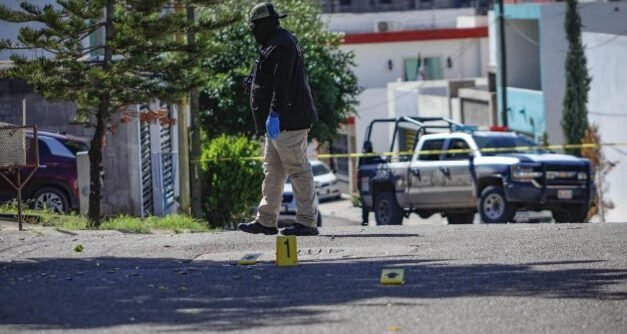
392	276
286	251
249	259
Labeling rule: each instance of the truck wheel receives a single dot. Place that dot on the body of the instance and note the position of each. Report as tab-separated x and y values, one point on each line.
386	210
493	206
460	218
571	214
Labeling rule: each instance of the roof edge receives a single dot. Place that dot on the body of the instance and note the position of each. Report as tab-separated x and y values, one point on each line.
416	35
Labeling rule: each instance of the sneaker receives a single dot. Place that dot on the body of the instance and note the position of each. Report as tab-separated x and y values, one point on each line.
364	224
255	228
299	229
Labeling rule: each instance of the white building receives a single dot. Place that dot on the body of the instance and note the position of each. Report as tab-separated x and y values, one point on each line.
408	46
607	107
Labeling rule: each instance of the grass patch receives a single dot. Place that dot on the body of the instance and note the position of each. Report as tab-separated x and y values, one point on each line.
73	221
175	223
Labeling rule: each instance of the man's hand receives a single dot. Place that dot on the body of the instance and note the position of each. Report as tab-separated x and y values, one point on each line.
272	125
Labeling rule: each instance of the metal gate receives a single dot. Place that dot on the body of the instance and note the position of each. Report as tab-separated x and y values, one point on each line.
167	165
146	169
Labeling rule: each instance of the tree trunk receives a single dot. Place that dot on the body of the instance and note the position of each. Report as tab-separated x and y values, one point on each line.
95	163
195	183
95	151
196	189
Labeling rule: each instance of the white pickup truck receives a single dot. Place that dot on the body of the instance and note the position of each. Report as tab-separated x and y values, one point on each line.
457	173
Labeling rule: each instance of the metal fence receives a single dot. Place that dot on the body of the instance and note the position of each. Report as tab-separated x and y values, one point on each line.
19	158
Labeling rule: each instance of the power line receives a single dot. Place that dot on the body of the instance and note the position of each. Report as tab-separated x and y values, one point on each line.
619	151
623	33
606	114
522	34
536	43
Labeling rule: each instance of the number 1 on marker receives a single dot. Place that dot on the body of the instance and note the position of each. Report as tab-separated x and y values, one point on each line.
286	254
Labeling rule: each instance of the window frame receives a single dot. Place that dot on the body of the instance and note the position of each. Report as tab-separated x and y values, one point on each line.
419	156
448	156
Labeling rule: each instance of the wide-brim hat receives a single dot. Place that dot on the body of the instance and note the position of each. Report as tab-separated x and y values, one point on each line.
263	10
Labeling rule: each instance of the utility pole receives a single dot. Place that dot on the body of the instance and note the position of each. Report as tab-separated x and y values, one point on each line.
183	140
196	190
503	62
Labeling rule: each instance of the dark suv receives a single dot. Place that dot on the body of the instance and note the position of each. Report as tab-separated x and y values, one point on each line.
55	183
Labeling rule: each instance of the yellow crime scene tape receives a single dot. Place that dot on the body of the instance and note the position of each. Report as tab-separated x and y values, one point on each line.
438	152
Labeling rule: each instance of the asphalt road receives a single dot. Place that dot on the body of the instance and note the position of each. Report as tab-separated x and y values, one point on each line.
515	278
341	212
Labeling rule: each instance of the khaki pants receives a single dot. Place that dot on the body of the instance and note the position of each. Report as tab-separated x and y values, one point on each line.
287	155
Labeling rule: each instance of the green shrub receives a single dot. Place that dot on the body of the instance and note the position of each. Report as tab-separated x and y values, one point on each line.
231	180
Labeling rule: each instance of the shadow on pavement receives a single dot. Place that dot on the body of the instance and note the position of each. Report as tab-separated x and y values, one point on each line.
374	235
219	296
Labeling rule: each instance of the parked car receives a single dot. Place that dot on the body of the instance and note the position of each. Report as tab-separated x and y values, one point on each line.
55	183
325	181
326	185
288	207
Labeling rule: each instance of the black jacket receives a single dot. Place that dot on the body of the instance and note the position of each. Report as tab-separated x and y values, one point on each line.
280	82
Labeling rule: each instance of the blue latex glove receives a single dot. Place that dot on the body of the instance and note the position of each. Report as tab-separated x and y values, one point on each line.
272	125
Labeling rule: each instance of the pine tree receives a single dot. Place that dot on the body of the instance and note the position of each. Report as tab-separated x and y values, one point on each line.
138	60
574	109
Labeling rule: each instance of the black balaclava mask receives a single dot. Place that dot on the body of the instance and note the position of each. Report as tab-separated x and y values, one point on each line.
264	29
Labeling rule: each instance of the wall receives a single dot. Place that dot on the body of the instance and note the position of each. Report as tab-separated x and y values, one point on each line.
596	17
608	108
478	107
526	111
121	164
472	21
523	54
408	20
366	5
433	106
372	105
426	98
492	43
48	115
468	59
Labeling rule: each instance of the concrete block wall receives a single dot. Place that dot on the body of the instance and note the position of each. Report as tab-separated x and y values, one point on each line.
122	170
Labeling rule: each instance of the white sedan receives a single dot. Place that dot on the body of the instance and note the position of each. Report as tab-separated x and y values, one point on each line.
325	181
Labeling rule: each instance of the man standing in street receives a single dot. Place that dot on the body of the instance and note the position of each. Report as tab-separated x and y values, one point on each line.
283	110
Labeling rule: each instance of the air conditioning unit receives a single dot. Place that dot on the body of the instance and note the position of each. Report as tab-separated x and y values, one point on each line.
387	26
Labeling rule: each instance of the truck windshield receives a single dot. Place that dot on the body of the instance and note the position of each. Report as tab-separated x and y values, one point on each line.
499	144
